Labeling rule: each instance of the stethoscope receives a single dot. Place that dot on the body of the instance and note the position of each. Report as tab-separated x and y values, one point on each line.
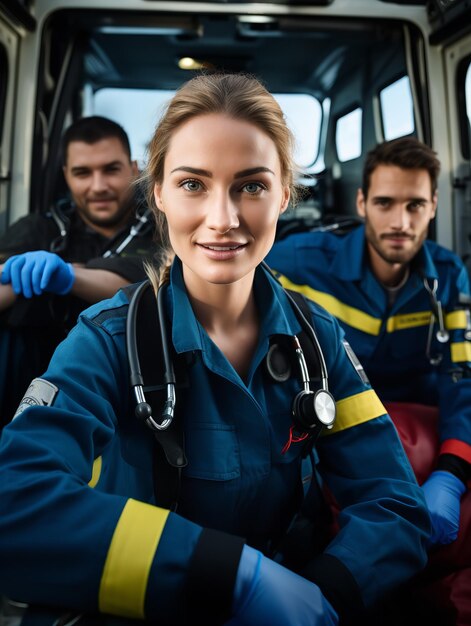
142	223
311	410
441	335
59	214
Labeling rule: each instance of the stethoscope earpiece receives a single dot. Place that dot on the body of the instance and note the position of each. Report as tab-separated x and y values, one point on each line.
143	411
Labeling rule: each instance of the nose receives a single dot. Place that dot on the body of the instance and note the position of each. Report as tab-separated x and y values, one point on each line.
400	218
98	182
223	213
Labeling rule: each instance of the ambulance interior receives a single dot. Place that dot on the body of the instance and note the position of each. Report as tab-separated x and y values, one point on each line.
348	75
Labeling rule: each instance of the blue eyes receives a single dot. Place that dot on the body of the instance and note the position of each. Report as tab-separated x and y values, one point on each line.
252	188
194	186
191	185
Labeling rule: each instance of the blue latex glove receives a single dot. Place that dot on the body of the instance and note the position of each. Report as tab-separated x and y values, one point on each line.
32	273
443	492
268	593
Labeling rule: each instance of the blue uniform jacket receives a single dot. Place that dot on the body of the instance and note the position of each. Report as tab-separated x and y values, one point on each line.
78	527
391	341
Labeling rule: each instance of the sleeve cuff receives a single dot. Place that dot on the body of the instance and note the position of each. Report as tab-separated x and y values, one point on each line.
338	585
212	576
130	268
456	466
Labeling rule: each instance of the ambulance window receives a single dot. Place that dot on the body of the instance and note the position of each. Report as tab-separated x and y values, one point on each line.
467	91
304	115
3	84
397	109
138	110
348	135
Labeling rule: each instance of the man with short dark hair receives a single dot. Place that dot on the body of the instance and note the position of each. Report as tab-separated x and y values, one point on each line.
399	298
82	251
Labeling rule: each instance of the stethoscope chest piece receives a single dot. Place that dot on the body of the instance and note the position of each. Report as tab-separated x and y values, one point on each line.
313	409
442	335
324	407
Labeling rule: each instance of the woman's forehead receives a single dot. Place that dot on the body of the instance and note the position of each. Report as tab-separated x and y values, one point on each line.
208	139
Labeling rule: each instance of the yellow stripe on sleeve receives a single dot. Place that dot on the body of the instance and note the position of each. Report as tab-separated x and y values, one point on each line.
355	410
347	314
96	472
131	553
457	320
460	352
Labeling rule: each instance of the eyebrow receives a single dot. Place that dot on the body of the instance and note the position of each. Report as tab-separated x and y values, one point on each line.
417	199
199	172
81	168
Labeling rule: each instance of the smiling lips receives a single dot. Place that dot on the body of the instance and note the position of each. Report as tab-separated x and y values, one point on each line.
102	200
221	252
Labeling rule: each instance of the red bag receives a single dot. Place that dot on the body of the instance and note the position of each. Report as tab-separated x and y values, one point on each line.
446	581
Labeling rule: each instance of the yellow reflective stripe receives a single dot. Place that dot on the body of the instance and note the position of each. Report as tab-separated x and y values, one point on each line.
457	320
348	314
131	553
408	320
355	410
460	352
96	472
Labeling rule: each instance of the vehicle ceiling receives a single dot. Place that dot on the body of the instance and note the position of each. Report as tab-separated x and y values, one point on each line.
289	54
141	50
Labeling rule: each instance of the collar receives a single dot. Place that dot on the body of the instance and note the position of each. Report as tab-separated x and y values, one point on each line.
78	224
276	314
423	263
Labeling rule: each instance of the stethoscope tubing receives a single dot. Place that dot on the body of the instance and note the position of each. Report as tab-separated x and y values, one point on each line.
143	409
307	327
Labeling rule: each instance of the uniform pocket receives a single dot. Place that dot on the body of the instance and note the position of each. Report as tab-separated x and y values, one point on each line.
212	452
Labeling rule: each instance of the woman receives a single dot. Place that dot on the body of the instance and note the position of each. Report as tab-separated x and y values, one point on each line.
79	529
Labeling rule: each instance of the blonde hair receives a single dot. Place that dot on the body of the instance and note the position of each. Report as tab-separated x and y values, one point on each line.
238	96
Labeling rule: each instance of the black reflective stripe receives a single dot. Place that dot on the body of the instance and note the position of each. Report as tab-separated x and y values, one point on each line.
455	465
212	576
120	311
338	585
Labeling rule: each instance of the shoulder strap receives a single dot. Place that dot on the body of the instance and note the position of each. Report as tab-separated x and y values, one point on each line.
310	353
169	451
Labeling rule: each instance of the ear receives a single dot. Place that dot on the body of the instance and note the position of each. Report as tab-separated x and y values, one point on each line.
285	199
435	203
135	168
361	203
158	197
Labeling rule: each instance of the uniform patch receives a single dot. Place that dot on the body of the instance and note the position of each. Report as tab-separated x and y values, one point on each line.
40	393
355	362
